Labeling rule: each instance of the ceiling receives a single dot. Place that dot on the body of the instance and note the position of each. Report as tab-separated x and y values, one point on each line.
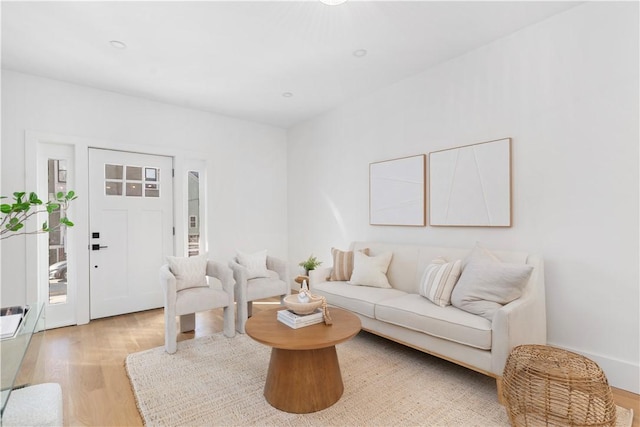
238	58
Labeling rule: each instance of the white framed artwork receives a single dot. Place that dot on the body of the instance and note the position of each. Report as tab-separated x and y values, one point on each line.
470	186
397	192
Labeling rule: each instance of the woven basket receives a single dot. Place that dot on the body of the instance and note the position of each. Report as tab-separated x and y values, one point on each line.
549	386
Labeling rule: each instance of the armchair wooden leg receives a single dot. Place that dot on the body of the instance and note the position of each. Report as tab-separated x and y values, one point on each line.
249	309
499	387
187	322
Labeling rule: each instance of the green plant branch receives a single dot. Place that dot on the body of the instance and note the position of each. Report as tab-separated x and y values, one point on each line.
310	263
16	214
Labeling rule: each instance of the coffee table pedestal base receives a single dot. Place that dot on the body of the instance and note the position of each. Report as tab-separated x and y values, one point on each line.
303	381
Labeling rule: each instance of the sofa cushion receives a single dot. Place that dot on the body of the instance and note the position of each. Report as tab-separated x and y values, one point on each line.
371	270
438	281
484	287
414	312
358	299
343	264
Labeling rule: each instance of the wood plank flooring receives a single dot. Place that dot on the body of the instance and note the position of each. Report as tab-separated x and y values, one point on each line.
88	362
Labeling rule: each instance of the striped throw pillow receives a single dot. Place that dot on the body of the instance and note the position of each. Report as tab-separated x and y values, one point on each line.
343	264
438	281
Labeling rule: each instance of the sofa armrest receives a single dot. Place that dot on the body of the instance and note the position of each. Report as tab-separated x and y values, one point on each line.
223	273
523	321
240	275
167	281
280	267
319	275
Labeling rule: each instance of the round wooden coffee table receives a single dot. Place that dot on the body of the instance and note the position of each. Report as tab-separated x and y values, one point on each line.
304	373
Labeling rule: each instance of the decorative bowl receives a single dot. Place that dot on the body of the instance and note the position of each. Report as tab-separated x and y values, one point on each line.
292	303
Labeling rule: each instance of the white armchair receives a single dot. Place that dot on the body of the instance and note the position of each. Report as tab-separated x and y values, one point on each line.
248	290
188	301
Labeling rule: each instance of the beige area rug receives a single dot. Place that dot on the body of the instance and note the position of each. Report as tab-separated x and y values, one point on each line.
219	381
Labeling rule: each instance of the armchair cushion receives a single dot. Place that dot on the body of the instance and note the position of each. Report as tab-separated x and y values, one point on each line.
255	263
194	300
265	287
189	272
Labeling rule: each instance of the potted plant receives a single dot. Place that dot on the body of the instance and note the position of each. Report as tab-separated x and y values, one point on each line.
15	215
309	264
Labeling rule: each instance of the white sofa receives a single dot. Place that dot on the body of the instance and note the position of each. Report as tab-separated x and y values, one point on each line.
402	315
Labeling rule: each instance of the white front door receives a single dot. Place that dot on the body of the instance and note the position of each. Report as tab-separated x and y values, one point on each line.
131	230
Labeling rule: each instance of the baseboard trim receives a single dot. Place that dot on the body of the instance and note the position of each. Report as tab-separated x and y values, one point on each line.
620	373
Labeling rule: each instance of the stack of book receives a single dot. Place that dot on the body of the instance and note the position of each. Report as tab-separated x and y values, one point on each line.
296	321
10	320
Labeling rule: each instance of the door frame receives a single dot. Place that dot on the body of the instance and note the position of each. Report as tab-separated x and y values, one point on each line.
78	236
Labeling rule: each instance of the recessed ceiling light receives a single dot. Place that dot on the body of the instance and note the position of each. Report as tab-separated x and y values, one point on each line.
118	44
360	53
287	94
333	2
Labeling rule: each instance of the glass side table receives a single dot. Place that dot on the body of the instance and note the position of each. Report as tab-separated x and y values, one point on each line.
13	350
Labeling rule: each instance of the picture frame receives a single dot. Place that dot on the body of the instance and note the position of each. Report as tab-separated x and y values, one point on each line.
397	192
470	186
62	175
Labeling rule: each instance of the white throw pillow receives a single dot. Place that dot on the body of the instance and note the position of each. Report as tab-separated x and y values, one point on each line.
189	272
256	263
343	264
484	287
479	254
370	270
438	281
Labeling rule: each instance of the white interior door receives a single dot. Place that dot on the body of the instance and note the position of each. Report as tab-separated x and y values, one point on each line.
131	226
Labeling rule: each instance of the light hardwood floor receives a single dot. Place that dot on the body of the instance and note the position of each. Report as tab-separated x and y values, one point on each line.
88	362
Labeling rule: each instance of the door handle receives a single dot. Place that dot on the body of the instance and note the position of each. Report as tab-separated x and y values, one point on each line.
97	247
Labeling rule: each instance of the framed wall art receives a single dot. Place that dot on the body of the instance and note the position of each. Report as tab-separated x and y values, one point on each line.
471	185
397	192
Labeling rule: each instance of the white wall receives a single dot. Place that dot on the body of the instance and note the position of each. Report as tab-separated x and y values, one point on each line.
246	186
566	91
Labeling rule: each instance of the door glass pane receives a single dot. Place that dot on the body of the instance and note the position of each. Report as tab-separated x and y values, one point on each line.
113	171
151	174
57	182
134	189
134	173
151	190
194	213
113	188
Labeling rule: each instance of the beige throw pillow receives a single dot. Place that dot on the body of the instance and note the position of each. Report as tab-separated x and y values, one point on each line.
371	271
189	272
479	254
343	264
255	263
484	287
438	281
